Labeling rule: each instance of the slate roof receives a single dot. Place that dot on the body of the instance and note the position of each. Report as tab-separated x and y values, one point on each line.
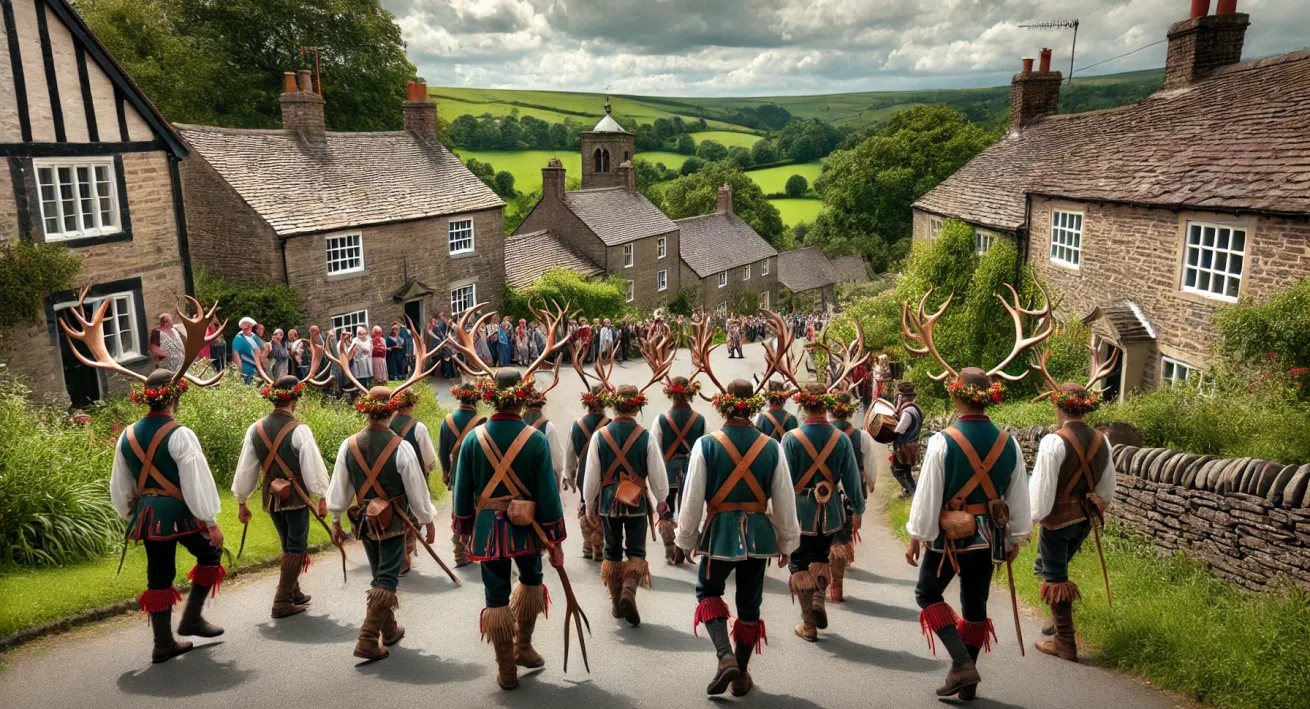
718	242
1238	140
617	215
352	179
1127	319
528	256
805	269
850	269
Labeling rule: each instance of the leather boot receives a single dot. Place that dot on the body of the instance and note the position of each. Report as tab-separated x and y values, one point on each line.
967	694
498	629
611	574
405	564
1048	627
507	673
668	533
392	631
298	598
461	552
820	608
963	673
524	654
743	683
284	604
367	646
807	630
635	572
192	623
728	670
1064	645
166	646
527	603
839	563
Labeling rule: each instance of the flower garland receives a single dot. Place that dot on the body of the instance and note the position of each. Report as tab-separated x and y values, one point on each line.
593	401
993	394
807	400
374	407
629	401
777	397
282	396
468	393
1075	404
729	406
842	409
407	398
517	394
158	396
680	392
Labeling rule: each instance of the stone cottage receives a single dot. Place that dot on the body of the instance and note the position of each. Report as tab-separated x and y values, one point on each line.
809	278
92	166
368	227
726	261
1149	218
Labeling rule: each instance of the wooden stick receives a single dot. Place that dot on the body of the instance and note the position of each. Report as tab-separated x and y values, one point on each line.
1014	603
404	516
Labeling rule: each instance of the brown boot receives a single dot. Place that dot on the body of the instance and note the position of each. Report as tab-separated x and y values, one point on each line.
807	630
1048	627
527	603
611	574
392	631
1064	645
961	676
498	629
840	560
636	572
822	579
284	604
668	531
298	598
742	685
461	552
368	647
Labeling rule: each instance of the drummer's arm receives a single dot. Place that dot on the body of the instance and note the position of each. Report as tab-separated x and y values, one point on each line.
904	424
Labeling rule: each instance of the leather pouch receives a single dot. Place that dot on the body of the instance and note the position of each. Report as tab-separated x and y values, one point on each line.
957	524
999	513
379	514
521	512
629	492
280	489
1095	508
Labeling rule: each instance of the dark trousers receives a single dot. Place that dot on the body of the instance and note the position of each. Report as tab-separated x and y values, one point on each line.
384	559
976	570
161	558
293	529
712	580
496	580
813	550
1055	549
903	472
624	535
672	504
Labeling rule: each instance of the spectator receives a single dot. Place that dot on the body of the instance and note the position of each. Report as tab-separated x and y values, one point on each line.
217	348
166	345
504	341
244	347
378	345
361	364
606	344
734	338
395	354
583	337
407	348
521	342
295	350
277	352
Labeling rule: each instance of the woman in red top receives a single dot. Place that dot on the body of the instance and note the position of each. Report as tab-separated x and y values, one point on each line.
379	355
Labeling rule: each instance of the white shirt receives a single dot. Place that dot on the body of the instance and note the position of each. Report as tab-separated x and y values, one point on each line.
197	484
903	424
571	457
556	449
313	471
341	491
427	453
657	477
1043	488
869	464
927	505
781	510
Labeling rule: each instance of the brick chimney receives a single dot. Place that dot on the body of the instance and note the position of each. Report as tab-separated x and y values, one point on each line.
724	204
1034	94
302	108
1203	43
420	111
628	176
552	180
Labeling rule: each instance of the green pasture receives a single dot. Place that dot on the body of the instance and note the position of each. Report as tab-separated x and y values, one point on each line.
525	165
673	161
797	211
727	138
773	180
555	106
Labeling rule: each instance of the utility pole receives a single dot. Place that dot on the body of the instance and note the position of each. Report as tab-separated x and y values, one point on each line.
1059	24
318	80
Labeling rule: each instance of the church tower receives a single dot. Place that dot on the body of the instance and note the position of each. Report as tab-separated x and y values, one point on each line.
604	149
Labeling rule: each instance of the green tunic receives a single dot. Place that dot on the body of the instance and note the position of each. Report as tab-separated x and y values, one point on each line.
735	535
273	425
455	422
493	537
606	455
675	460
157	516
371	443
580	437
847	533
822	518
764	421
981	434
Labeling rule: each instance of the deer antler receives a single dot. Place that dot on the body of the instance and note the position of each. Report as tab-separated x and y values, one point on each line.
659	355
923	332
849	355
702	339
195	340
1021	343
91	333
316	361
553	343
1101	371
343	362
461	338
421	355
779	357
1053	386
604	368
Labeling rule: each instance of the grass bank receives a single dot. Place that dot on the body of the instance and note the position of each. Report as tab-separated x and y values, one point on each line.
797	211
773	180
1174	623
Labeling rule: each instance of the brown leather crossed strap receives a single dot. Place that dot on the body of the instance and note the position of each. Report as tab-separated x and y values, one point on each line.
371	480
459	435
818	459
273	456
981	470
148	469
620	455
777	427
582	454
741	472
1084	461
540	424
502	472
680	438
404	430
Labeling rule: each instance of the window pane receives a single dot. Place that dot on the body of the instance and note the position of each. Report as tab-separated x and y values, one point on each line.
1233	285
1223	238
1220	260
1207	257
1194	236
1208	238
1189	278
1235	264
1205	280
1239	241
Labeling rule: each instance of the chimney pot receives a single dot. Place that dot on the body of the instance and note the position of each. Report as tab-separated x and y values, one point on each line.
306	82
552	180
724	205
1200	8
1203	44
302	109
1046	59
1227	7
419	111
289	82
1027	65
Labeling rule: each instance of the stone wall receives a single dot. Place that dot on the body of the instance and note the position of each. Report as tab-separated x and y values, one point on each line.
226	235
646	263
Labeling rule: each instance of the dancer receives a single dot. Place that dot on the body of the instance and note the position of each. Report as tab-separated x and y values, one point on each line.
575	454
842	553
776	421
457	425
416	434
676	430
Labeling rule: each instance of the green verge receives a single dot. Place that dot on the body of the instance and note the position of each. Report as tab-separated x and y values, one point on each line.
1174	623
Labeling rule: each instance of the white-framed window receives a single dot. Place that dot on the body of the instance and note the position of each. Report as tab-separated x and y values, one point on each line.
1214	260
746	272
661	280
723	279
78	198
982	241
463	297
662	247
347	322
345	253
628	255
764	267
764	299
934	227
1067	238
722	308
122	331
1173	371
459	235
632	290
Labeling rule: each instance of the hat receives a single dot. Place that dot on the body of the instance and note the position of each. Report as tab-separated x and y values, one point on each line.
906	388
246	321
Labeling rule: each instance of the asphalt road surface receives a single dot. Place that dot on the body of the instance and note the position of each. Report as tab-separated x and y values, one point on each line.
872	655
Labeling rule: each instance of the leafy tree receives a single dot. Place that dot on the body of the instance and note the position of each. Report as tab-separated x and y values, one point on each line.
741	155
536	131
686	144
711	150
804	141
684	303
559	135
511	134
867	191
663	128
505	184
763	153
647	138
691	165
649	173
698	193
464	131
221	62
797	186
679	126
274	305
605	298
772	116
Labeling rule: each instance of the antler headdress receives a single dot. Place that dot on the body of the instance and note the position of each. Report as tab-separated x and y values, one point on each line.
848	355
658	353
91	333
1075	398
281	395
462	340
370	404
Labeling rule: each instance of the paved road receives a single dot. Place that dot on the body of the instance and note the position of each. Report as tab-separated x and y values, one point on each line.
873	654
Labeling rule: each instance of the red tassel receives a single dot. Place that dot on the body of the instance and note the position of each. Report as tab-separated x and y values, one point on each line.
210	577
935	617
159	600
711	608
753	634
305	569
977	634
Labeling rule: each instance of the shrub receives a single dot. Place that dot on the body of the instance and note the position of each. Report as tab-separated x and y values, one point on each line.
763	152
797	186
711	151
29	273
595	298
274	305
741	155
1273	336
684	303
692	165
505	184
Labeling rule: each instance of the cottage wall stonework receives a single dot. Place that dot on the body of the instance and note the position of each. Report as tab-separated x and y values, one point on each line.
227	236
711	295
645	265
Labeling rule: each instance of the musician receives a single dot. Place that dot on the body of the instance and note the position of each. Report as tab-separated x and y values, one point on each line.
776	421
909	425
283	450
676	430
842	552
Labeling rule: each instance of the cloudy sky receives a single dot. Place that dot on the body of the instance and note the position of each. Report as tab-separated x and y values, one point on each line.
770	47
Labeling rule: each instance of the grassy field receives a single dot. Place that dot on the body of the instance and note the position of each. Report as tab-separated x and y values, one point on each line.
796	211
774	179
555	106
727	138
526	165
673	161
